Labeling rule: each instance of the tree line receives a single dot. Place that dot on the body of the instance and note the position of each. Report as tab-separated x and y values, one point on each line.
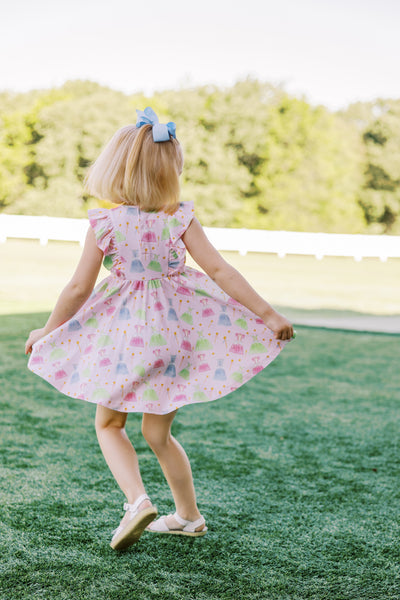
255	156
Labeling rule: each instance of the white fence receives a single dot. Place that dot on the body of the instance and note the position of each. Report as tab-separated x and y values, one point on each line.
239	240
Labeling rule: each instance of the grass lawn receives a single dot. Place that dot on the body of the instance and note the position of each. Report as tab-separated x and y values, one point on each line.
32	276
296	473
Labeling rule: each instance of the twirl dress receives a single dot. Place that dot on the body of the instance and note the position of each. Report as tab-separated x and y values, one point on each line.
156	334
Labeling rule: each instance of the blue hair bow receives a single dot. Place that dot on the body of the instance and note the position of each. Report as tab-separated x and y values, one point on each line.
161	132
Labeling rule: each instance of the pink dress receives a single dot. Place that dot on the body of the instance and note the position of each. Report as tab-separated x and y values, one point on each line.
155	335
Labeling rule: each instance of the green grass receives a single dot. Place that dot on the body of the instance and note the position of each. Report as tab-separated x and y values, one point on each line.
33	276
296	473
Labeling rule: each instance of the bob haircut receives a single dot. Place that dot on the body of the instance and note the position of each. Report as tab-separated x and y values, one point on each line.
133	169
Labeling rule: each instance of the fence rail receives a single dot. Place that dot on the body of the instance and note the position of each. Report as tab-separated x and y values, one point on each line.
239	240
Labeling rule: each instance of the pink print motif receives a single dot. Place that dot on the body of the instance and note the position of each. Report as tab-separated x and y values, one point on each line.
60	374
110	309
257	368
207	311
234	302
183	290
37	360
137	340
157	304
180	398
149	236
186	345
130	397
159	363
105	362
238	348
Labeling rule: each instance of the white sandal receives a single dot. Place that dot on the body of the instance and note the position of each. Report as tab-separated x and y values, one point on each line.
126	535
160	526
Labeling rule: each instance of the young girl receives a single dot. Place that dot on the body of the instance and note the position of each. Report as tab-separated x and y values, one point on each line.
155	335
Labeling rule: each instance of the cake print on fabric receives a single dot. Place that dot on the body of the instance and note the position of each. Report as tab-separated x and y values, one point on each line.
156	334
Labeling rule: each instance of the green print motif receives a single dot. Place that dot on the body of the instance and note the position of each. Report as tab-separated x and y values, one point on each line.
257	347
111	292
140	314
154	265
100	233
185	373
165	233
202	343
157	340
103	287
241	323
108	262
57	353
174	222
139	370
100	394
187	317
201	292
104	340
237	376
150	395
153	284
199	396
92	322
119	237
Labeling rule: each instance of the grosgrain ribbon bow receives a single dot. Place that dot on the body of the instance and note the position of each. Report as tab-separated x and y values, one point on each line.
161	131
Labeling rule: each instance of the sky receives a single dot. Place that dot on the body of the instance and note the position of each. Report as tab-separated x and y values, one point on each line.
331	52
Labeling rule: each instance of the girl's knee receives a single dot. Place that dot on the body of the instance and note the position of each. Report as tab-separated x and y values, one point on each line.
156	429
105	417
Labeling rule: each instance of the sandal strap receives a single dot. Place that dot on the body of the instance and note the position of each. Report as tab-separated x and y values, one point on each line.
189	525
133	507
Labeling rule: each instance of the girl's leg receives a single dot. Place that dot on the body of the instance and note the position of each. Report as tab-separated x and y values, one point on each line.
174	463
119	454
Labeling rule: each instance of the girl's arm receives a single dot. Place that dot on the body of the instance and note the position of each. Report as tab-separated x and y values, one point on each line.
75	293
231	281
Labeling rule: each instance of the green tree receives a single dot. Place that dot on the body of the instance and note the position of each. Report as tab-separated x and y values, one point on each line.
309	172
378	123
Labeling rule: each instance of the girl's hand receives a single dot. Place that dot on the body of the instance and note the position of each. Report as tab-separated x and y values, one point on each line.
282	328
34	337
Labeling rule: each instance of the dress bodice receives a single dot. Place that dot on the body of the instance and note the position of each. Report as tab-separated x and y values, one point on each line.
141	245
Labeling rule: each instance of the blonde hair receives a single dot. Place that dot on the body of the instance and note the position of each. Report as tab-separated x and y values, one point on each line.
133	169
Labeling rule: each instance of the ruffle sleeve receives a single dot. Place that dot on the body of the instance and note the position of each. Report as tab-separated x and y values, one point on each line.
101	224
180	220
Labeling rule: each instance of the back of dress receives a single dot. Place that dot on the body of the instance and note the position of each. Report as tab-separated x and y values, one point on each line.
141	246
155	335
